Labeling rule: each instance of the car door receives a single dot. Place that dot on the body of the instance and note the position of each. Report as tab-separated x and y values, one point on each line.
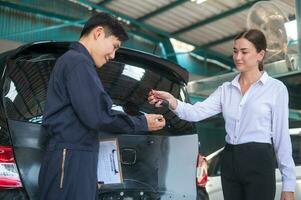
166	160
24	88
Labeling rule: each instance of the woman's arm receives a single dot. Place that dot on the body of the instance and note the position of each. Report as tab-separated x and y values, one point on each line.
282	141
196	112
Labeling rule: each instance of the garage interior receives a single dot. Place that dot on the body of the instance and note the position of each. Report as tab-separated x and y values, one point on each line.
196	34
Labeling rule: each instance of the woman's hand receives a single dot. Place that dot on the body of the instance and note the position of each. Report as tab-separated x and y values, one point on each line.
287	196
156	98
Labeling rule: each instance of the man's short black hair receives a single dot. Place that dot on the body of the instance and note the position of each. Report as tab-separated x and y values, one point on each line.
111	25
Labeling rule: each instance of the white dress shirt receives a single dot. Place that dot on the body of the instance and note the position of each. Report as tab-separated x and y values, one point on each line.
257	116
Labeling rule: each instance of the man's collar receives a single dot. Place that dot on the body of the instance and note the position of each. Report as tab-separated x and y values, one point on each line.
77	46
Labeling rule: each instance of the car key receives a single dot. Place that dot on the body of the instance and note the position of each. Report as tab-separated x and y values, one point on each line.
165	103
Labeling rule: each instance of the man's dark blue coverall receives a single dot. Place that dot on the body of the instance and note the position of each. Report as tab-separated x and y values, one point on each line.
76	108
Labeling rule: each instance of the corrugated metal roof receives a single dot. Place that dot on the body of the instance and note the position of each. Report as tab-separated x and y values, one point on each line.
137	8
217	28
210	25
226	48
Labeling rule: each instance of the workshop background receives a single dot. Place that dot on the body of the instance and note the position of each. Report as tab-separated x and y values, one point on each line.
196	34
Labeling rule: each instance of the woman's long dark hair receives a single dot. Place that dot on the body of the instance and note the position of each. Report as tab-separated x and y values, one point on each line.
257	38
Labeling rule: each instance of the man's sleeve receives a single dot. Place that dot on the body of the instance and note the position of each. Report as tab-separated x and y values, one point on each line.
93	105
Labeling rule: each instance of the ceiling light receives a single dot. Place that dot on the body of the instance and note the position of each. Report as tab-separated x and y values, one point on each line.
180	46
200	1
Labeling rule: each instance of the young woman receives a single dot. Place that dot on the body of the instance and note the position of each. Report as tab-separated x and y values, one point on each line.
255	109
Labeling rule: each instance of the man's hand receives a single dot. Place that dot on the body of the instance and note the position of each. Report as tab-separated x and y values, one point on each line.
155	122
156	98
287	196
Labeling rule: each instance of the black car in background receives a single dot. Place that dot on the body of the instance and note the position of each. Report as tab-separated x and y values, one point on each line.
160	165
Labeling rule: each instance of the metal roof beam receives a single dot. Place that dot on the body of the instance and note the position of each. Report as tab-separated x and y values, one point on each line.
216	17
70	21
209	53
66	22
48	28
162	9
169	50
104	2
32	10
219	41
125	17
146	36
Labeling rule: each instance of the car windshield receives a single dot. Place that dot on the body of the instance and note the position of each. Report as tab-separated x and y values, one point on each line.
26	81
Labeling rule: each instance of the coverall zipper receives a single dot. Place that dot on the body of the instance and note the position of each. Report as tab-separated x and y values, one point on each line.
63	168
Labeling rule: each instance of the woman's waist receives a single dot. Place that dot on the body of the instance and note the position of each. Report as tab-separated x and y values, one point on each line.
243	138
249	145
